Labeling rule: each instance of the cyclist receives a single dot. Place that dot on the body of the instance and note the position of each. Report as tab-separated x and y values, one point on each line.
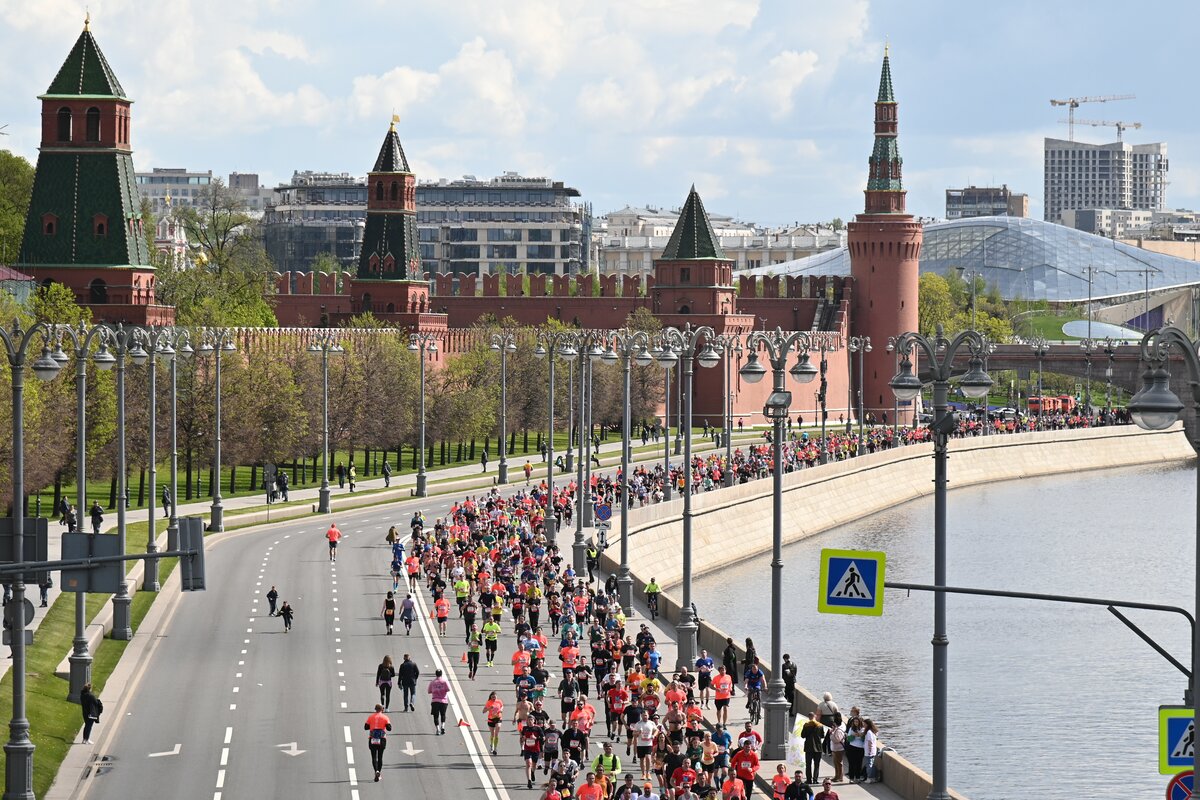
755	682
652	592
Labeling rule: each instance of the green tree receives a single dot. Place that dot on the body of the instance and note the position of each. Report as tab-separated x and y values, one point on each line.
935	304
16	186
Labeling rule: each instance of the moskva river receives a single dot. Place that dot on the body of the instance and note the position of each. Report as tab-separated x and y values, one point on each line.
1046	700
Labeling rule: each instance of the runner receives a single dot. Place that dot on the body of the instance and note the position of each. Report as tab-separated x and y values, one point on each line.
377	726
439	692
333	535
389	612
491	638
384	674
493	709
704	667
722	691
531	750
441	608
474	640
408	613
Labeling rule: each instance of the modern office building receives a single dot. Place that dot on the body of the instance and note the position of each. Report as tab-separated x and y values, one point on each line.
256	196
317	212
509	223
181	186
985	201
1115	223
1118	175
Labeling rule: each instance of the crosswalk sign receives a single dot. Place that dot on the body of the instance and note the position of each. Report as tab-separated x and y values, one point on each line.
1176	739
851	582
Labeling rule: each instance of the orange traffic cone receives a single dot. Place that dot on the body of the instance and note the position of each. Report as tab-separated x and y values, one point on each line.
463	724
464	658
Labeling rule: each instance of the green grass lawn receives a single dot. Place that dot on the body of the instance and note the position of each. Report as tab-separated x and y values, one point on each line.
1048	326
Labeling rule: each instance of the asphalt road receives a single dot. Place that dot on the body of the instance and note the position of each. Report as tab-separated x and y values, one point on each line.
229	706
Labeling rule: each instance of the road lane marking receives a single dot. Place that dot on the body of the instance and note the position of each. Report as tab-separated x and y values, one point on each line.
228	735
349	755
224	756
172	752
346	733
233	706
220	779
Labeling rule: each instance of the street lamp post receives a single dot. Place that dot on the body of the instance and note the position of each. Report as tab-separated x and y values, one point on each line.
1156	407
666	426
989	347
940	354
1040	348
425	346
777	345
183	349
731	344
629	346
569	461
128	343
18	750
1088	346
679	415
551	345
595	356
1110	352
325	342
81	340
161	345
824	345
586	343
217	342
504	342
860	345
680	346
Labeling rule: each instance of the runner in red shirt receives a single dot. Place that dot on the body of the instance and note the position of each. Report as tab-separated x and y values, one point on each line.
333	534
745	766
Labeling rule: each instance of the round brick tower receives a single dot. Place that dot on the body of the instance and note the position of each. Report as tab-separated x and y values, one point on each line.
885	248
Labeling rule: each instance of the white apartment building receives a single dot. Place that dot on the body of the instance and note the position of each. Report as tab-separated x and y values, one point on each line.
181	186
1118	175
628	241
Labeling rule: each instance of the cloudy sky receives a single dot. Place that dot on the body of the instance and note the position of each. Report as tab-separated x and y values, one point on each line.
764	104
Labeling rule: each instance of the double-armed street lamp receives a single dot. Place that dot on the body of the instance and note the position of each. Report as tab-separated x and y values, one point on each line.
939	354
504	343
860	345
1041	348
553	345
426	347
1155	407
18	777
630	347
589	352
731	345
668	365
325	342
1110	352
160	343
216	342
777	345
682	347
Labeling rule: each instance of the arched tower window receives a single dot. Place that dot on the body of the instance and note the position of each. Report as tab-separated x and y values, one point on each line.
49	224
93	124
378	190
64	124
98	292
366	302
395	191
100	225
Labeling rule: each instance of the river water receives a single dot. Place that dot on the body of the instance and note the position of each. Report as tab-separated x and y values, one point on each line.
1046	700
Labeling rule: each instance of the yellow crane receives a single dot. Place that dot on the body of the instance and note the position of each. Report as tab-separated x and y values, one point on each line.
1103	123
1073	103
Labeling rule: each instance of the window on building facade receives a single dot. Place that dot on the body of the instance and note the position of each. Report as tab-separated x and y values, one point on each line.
395	191
100	225
378	190
685	276
93	124
49	224
64	124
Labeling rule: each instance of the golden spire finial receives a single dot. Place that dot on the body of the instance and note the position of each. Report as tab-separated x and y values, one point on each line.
395	119
87	18
886	45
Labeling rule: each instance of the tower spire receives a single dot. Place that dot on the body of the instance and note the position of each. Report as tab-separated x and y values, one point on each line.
885	190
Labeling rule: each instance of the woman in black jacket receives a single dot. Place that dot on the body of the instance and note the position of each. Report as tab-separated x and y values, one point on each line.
730	659
92	708
384	674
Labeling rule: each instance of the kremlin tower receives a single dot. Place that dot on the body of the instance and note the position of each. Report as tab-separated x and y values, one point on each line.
885	246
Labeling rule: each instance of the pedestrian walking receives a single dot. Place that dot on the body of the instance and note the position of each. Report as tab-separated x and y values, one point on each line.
377	727
340	471
407	675
92	708
813	734
281	485
408	613
272	598
384	674
64	506
389	612
542	450
285	611
439	693
72	520
44	586
483	459
528	470
97	515
166	501
352	476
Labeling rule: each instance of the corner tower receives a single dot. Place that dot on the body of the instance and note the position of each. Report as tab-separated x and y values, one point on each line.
84	225
885	248
388	279
693	276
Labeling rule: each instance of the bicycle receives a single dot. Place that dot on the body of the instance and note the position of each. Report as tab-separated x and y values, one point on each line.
754	705
652	602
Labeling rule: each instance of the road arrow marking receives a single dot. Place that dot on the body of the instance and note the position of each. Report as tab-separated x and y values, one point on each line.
289	749
174	752
409	750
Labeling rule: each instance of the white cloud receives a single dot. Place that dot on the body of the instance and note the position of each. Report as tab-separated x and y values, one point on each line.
785	73
395	91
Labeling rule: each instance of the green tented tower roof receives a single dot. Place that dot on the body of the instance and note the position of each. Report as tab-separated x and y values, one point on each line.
693	237
886	95
391	154
86	73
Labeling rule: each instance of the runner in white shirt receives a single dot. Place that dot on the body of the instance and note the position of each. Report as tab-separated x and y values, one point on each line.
645	732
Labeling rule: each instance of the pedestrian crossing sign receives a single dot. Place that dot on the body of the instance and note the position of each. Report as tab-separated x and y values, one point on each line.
1176	739
852	582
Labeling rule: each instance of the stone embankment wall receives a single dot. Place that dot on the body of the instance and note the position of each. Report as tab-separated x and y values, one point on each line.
734	524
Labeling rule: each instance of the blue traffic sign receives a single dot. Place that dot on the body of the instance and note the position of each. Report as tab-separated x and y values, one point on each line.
603	512
1176	739
1180	787
851	582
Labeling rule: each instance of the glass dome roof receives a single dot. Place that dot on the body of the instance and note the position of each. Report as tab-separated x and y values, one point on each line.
1027	259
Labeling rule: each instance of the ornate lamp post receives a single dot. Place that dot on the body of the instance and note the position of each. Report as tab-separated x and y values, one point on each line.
590	352
1088	345
862	346
939	353
629	347
128	342
668	365
216	341
425	345
1155	407
731	344
325	343
680	346
569	462
777	345
18	751
504	343
161	345
1110	352
552	345
1040	348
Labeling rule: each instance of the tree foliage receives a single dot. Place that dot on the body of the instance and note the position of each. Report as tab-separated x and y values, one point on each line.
16	187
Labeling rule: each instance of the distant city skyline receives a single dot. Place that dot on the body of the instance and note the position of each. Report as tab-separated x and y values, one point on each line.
766	105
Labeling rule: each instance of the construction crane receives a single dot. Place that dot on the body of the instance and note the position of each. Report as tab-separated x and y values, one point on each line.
1073	103
1103	123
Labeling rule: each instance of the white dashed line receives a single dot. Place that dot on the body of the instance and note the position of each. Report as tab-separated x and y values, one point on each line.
228	735
346	733
220	779
224	756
